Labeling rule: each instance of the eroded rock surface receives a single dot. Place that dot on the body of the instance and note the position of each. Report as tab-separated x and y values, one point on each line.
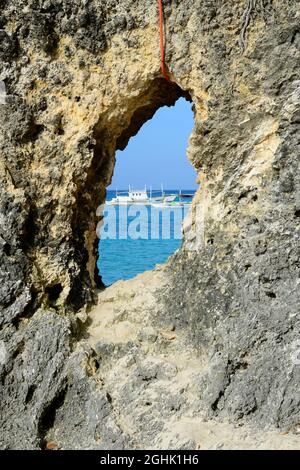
214	334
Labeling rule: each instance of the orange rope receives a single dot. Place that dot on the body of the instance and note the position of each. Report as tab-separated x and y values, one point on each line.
162	41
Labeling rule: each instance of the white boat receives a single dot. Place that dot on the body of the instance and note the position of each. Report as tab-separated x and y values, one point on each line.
140	196
134	196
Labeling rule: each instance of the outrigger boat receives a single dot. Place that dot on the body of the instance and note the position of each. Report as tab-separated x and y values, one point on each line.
140	196
172	204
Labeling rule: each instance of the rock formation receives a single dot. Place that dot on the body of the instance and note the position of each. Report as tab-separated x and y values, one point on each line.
214	337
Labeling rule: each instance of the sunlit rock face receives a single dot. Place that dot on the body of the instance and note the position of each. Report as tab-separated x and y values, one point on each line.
215	335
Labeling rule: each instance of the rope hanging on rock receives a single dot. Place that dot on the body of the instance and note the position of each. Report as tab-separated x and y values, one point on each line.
162	41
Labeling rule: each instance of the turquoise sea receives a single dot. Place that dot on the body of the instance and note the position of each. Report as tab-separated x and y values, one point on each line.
136	238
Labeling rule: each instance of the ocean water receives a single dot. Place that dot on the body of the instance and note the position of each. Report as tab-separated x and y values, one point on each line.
136	238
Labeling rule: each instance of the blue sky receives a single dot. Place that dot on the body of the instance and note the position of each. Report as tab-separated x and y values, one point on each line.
157	154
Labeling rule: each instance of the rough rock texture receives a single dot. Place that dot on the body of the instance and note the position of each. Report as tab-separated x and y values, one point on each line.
81	79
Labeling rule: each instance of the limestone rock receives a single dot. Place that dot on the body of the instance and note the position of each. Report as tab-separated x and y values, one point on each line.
208	341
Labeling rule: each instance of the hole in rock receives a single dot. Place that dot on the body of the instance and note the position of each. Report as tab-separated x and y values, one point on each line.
7	249
30	393
48	415
54	292
109	398
272	295
150	194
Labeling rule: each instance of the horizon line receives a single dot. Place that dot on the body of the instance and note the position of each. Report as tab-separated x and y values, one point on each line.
159	189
